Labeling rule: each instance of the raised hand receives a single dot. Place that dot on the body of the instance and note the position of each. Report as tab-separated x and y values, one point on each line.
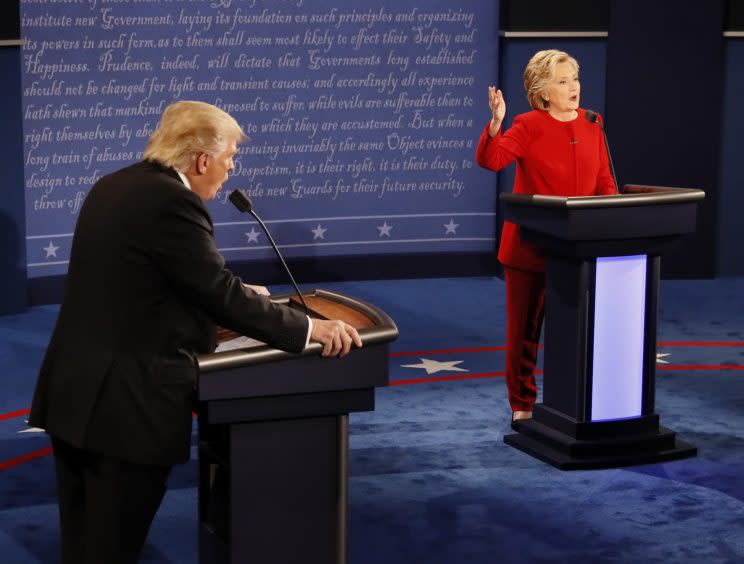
498	109
335	336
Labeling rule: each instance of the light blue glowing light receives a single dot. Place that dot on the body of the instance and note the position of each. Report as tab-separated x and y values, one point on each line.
619	315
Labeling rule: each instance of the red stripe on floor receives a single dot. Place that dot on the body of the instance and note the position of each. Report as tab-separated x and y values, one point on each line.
701	344
699	367
450	377
495	374
12	414
448	351
11	462
501	348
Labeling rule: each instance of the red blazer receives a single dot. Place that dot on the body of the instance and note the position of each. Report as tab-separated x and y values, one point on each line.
554	158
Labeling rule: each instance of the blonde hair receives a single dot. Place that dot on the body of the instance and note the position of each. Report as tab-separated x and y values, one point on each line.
540	71
188	128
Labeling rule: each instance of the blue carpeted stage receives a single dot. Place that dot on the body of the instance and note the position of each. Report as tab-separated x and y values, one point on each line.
431	479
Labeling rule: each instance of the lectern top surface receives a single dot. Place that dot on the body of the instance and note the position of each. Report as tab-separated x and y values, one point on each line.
327	309
374	326
320	308
632	195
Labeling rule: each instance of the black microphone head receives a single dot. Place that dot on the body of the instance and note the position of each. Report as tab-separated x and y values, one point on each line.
241	201
590	116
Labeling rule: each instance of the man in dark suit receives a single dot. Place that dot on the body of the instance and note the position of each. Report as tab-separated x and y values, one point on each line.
145	288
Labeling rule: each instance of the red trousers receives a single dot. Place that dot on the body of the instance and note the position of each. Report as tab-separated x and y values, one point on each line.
525	307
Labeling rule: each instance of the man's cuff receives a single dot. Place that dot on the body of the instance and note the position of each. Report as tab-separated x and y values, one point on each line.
309	330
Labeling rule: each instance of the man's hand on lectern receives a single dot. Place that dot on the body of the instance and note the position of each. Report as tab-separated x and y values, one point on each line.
335	336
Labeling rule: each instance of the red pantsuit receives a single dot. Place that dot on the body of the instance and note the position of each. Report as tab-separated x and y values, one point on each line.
559	158
525	307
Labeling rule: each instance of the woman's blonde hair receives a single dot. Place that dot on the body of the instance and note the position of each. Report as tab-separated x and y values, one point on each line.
540	71
189	128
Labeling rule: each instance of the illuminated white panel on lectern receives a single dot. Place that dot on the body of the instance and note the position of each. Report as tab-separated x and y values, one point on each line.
619	319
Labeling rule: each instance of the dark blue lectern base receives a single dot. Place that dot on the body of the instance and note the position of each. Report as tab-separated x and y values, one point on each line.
608	444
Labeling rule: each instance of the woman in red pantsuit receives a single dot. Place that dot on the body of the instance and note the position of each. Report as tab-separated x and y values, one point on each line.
560	153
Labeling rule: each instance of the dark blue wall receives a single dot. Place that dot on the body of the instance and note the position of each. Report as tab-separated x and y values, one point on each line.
731	202
665	78
12	208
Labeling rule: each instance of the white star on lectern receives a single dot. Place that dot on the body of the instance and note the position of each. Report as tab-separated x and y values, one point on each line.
384	229
432	366
51	250
253	235
319	232
660	358
451	227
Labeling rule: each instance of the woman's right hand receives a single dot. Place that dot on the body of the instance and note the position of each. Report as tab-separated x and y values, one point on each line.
498	109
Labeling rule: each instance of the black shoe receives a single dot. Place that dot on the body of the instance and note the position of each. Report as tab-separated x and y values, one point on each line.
516	422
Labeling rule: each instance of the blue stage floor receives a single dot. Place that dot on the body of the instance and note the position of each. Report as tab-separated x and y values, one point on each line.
431	479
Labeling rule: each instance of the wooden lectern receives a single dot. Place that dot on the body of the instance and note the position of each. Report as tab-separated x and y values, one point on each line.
273	441
600	324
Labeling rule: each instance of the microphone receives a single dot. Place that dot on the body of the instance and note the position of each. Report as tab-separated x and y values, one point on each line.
244	205
592	117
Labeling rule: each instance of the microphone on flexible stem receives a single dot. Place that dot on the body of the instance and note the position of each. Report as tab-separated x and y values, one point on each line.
591	117
244	204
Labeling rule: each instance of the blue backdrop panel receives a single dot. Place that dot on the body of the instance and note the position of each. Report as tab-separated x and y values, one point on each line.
12	216
363	117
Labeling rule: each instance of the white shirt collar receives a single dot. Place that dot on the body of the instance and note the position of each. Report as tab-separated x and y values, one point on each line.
185	180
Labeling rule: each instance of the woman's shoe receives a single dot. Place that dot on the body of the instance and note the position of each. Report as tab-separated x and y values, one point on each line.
518	416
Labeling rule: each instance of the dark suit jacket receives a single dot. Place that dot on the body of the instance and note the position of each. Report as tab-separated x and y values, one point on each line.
144	290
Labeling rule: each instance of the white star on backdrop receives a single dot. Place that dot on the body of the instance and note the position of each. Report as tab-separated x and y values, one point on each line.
451	227
660	358
384	229
319	232
253	235
51	250
432	366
